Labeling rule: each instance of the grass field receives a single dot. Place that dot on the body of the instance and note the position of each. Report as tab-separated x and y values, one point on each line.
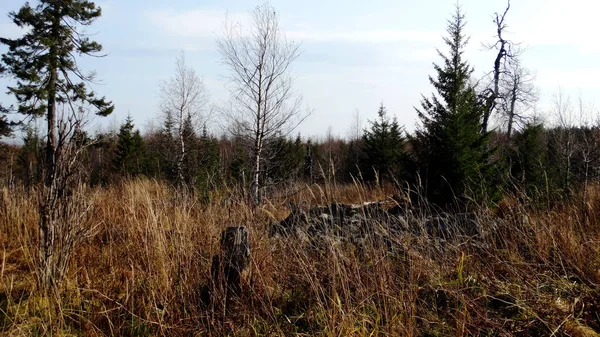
145	267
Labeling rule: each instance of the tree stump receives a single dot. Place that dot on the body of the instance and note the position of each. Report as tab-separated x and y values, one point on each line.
228	265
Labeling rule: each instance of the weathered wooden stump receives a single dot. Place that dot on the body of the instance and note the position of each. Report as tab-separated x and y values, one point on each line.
232	259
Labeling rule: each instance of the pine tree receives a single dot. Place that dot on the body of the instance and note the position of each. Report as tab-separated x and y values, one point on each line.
5	125
129	154
452	153
384	147
30	157
208	175
44	64
529	160
190	160
168	149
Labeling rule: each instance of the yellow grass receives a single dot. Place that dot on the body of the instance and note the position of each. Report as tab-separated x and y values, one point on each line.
146	269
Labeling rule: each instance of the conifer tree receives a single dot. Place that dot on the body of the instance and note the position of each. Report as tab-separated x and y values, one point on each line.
29	157
43	61
208	174
452	153
5	125
529	164
190	161
44	64
384	146
129	154
168	149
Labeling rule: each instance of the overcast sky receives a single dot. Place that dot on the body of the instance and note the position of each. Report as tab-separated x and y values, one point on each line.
356	54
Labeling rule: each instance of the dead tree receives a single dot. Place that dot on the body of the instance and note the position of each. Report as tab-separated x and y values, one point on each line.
228	265
64	202
182	101
519	94
563	111
264	105
504	48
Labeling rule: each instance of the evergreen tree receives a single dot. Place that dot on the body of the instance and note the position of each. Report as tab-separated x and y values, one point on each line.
29	158
5	125
44	64
452	153
100	159
208	174
529	160
191	158
129	154
384	147
285	159
168	149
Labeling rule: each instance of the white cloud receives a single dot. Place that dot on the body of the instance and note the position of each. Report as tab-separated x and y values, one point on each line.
375	36
204	23
561	23
581	78
200	23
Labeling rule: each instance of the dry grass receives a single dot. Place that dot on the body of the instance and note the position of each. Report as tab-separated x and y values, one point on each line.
145	271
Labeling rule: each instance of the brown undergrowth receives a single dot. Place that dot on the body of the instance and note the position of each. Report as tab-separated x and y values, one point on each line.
530	271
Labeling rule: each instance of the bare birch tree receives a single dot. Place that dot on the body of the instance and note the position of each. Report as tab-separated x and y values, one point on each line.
519	94
183	98
355	131
563	110
264	105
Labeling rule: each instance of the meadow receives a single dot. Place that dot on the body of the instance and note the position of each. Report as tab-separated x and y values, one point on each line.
143	269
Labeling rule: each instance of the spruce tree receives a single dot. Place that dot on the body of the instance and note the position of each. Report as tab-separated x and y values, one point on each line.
529	164
5	125
44	64
30	157
190	159
384	147
129	154
208	175
168	149
452	153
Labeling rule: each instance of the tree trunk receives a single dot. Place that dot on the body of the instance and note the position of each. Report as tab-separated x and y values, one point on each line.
228	265
491	104
511	114
47	270
258	139
181	157
255	190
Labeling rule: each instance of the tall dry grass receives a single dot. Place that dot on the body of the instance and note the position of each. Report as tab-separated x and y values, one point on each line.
146	271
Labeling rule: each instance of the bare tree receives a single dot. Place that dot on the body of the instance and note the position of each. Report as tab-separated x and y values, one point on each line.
66	202
588	141
264	103
505	53
519	94
564	113
355	131
183	99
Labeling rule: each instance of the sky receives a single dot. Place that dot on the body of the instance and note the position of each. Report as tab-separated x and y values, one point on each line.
355	54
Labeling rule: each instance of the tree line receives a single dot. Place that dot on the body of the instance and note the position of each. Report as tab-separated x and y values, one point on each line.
535	161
